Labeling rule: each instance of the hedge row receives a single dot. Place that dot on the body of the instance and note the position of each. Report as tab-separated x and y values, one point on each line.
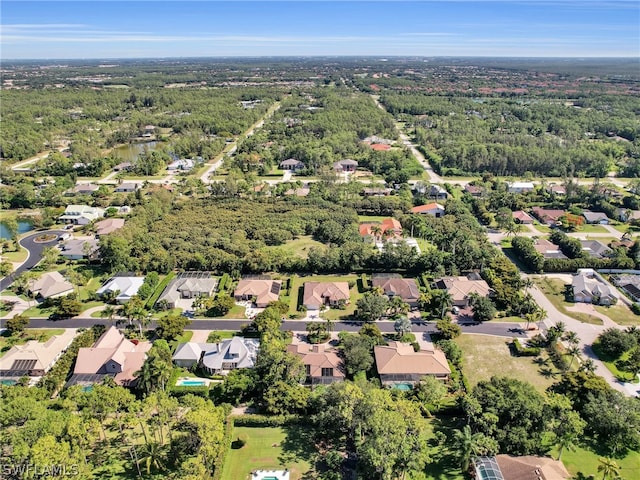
159	289
54	379
525	351
573	264
226	445
225	280
255	420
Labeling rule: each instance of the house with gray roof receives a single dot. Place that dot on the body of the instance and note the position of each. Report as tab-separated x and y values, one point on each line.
77	249
34	358
595	217
587	288
188	285
595	249
218	358
81	214
123	286
50	285
346	165
292	164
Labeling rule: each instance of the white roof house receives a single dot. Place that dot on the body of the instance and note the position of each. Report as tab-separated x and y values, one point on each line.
51	285
126	287
588	289
81	214
217	358
35	358
521	187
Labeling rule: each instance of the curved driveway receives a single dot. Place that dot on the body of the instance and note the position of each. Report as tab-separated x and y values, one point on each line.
35	254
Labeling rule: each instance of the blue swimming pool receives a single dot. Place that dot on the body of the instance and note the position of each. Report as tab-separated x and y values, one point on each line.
191	383
405	387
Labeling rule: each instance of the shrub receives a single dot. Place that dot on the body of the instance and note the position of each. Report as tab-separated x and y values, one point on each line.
525	351
613	342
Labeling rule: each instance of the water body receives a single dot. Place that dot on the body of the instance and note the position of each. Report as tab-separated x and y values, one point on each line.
130	151
23	227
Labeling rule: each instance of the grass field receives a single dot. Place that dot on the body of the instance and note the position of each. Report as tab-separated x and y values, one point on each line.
297	289
486	356
298	247
269	448
621	314
553	288
371	218
42	335
19	256
590	228
586	462
610	363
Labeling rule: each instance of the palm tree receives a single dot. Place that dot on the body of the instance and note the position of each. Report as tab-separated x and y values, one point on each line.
464	445
587	366
376	232
571	338
609	468
566	442
574	351
441	301
152	454
109	312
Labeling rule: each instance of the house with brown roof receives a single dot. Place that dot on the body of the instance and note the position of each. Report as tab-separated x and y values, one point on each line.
112	355
548	249
460	288
522	217
105	227
473	190
557	190
261	292
434	209
322	363
399	363
389	227
50	285
405	288
34	359
319	294
380	147
547	216
346	165
509	467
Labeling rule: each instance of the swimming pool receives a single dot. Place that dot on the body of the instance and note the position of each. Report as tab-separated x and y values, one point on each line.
405	387
183	382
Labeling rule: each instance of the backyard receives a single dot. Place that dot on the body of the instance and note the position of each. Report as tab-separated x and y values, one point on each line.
269	448
486	356
42	335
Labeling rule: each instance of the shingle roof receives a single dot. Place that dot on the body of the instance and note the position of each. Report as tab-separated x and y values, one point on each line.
51	284
317	357
315	293
35	355
405	288
461	287
400	358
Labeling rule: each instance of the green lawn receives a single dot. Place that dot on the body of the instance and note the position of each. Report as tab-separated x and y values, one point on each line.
542	228
269	448
591	228
19	256
298	247
485	356
446	467
621	314
371	218
554	290
297	289
610	363
586	462
237	311
42	335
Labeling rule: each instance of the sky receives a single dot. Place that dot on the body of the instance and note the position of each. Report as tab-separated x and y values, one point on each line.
141	29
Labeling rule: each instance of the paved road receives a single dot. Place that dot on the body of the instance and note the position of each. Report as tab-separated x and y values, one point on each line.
491	328
35	253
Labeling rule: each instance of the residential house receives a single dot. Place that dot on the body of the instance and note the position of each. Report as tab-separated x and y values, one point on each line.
78	249
521	187
105	227
548	249
322	363
298	192
380	147
376	191
292	164
405	288
629	284
345	166
557	190
127	187
433	209
34	359
376	140
388	228
218	358
112	355
123	167
508	467
319	294
595	217
460	288
587	288
437	192
473	190
522	217
550	217
261	291
626	214
50	285
188	285
83	189
399	363
81	214
123	286
183	164
595	249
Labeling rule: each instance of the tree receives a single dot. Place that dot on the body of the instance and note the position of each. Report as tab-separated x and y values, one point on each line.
402	326
429	391
172	326
6	267
221	306
372	331
17	324
108	312
50	256
356	353
156	369
614	342
573	352
448	329
152	454
69	306
317	332
468	445
483	308
371	307
609	468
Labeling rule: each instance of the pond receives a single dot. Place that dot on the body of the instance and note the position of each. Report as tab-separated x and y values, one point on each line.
22	228
130	151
